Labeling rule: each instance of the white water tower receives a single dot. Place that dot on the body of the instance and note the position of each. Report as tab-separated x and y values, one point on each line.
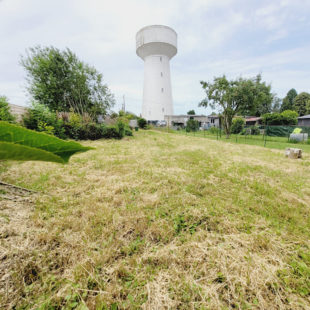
156	45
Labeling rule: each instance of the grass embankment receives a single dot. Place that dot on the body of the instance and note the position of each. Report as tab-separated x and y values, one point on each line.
161	221
279	143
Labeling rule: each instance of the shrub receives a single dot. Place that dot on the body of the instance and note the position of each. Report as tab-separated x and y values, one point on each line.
192	125
111	132
237	125
128	131
120	126
214	130
5	113
40	118
287	117
255	130
142	123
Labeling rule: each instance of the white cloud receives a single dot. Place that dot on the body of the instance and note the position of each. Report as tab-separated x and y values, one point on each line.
214	37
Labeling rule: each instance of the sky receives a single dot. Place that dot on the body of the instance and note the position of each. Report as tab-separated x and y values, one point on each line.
215	37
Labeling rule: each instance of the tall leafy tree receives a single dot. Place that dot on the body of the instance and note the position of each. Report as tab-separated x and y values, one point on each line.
255	96
302	103
240	96
288	100
59	80
191	112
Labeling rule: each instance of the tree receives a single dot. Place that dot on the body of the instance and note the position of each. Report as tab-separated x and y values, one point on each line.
191	112
59	80
255	96
5	113
302	103
192	125
276	105
243	96
288	100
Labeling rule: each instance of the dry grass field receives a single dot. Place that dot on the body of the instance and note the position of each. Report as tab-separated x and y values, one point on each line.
157	221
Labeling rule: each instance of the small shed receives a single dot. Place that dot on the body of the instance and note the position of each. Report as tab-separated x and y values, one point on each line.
304	120
253	121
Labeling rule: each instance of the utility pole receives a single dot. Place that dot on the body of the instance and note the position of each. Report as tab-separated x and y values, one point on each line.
123	105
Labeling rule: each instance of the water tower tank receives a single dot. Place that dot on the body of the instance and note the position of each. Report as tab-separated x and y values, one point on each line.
156	45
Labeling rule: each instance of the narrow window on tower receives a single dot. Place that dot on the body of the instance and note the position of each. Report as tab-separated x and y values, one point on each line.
163	110
162	90
160	58
161	74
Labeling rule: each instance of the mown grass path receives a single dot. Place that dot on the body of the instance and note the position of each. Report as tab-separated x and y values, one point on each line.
162	221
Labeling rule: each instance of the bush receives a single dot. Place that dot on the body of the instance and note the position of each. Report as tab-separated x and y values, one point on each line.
192	125
214	130
40	118
255	130
237	125
142	123
111	132
287	117
5	113
72	125
128	131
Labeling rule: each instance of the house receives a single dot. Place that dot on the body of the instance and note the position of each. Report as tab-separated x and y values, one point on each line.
304	120
17	111
203	120
214	121
253	121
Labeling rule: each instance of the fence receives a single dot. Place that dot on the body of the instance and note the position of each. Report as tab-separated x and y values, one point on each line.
267	136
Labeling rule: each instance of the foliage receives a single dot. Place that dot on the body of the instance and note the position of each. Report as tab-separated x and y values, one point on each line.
18	143
192	125
214	130
276	105
60	81
237	125
71	125
254	130
191	112
288	100
285	118
302	103
254	96
112	132
40	118
5	113
244	96
142	123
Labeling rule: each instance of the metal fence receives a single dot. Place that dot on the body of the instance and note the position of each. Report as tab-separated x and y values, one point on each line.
278	137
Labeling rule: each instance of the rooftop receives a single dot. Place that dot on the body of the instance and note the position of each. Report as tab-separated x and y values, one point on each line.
304	117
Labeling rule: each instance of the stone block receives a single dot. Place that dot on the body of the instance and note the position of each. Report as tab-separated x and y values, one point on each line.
293	153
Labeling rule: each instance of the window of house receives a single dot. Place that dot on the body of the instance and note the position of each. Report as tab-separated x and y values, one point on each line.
161	74
162	90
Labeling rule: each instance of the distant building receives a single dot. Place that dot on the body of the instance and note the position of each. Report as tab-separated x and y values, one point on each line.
304	120
17	111
181	120
253	121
